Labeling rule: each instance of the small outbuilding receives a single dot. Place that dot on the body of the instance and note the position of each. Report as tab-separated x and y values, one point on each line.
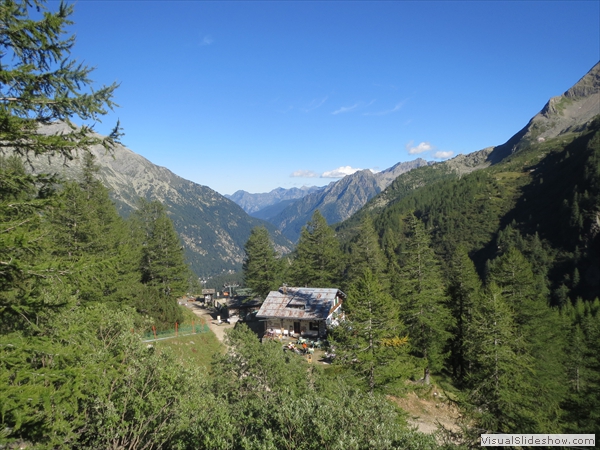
297	311
243	307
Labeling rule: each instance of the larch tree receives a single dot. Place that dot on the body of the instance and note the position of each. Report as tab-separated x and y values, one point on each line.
40	84
499	389
371	341
162	263
262	269
422	298
366	254
89	237
540	329
464	287
317	261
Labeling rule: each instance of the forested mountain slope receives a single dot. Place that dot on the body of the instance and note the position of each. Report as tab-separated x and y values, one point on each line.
212	228
545	189
548	191
567	113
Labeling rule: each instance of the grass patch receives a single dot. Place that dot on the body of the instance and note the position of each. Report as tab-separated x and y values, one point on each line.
196	349
189	317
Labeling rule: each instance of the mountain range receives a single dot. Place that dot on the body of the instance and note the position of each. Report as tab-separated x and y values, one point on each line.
256	204
214	229
338	200
289	210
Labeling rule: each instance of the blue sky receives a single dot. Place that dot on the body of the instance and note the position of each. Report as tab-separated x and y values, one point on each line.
259	95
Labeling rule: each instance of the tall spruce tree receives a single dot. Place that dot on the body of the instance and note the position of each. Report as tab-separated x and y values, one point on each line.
262	269
499	388
89	236
423	299
317	261
26	267
540	330
582	403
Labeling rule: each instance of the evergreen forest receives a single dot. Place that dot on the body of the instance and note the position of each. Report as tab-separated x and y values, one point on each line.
482	287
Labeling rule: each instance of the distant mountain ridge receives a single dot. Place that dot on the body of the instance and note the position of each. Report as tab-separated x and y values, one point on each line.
253	203
212	228
339	200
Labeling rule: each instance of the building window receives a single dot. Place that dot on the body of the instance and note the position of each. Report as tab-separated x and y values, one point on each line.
313	326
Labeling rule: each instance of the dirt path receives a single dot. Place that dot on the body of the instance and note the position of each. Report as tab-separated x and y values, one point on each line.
210	317
426	413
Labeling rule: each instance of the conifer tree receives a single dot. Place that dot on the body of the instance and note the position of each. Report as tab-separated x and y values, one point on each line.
26	268
365	253
497	377
317	261
370	341
540	330
262	270
42	85
39	85
582	403
422	298
162	263
91	241
463	289
514	275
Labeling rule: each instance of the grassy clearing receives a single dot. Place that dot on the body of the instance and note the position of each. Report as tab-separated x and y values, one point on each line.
196	349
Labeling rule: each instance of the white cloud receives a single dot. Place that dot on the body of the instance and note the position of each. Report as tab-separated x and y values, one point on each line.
316	103
304	174
422	147
207	40
340	172
345	109
443	155
383	113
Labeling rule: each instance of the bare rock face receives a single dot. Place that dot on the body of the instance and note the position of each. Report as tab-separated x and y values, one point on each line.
569	112
212	228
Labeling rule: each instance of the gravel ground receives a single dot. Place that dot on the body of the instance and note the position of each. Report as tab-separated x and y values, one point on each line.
210	316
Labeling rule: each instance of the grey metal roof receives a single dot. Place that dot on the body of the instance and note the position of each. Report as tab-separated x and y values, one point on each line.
300	303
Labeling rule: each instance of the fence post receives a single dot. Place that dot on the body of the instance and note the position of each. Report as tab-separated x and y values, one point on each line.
176	329
193	328
154	331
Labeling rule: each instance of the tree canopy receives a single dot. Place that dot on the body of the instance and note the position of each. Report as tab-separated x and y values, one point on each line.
262	269
317	260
